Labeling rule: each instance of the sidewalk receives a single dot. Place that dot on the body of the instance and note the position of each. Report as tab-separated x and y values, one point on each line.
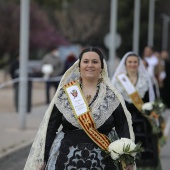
12	137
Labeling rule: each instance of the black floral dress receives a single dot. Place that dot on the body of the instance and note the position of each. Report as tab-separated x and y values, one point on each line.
72	148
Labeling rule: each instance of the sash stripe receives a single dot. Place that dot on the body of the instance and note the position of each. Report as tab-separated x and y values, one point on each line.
93	125
97	137
137	101
87	123
69	84
93	134
102	135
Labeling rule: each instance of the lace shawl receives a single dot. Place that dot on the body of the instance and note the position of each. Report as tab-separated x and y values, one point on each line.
36	156
101	109
142	86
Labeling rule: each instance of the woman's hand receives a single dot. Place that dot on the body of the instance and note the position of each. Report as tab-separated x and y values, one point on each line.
129	167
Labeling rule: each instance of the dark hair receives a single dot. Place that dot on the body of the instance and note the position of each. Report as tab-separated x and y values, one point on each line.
94	49
132	54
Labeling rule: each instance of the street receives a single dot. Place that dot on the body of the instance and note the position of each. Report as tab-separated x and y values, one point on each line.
17	160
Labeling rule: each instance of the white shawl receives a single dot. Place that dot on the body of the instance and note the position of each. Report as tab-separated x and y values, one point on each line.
36	156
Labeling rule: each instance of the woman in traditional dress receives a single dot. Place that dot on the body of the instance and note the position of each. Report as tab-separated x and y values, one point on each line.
133	81
89	108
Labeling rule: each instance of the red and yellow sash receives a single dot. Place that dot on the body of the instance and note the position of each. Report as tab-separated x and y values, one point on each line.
82	113
131	91
137	101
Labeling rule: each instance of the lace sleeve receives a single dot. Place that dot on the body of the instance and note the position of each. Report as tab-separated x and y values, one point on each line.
53	125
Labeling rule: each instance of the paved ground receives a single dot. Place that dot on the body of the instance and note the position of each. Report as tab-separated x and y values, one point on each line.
12	137
15	143
15	161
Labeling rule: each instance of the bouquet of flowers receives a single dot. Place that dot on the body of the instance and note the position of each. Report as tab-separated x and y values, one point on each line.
157	106
153	111
124	152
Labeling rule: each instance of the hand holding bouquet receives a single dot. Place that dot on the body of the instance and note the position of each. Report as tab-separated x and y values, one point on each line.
124	152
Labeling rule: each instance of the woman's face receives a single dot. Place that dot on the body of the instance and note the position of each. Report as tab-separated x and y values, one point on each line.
132	64
90	65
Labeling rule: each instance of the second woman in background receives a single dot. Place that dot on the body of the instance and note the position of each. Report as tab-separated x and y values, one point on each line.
133	81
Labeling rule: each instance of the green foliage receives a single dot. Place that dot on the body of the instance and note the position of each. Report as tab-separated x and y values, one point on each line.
159	106
154	114
127	157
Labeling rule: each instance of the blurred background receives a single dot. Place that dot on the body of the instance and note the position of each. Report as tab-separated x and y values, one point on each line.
71	24
66	22
68	26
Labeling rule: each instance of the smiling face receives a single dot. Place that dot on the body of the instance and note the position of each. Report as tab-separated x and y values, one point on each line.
132	63
90	66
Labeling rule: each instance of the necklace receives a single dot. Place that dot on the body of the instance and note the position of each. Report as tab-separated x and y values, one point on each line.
88	97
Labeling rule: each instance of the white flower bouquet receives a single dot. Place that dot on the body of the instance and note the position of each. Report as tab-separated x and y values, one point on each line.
152	111
157	106
147	107
124	152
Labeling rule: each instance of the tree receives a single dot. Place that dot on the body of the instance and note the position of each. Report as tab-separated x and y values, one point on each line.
43	34
80	21
84	21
